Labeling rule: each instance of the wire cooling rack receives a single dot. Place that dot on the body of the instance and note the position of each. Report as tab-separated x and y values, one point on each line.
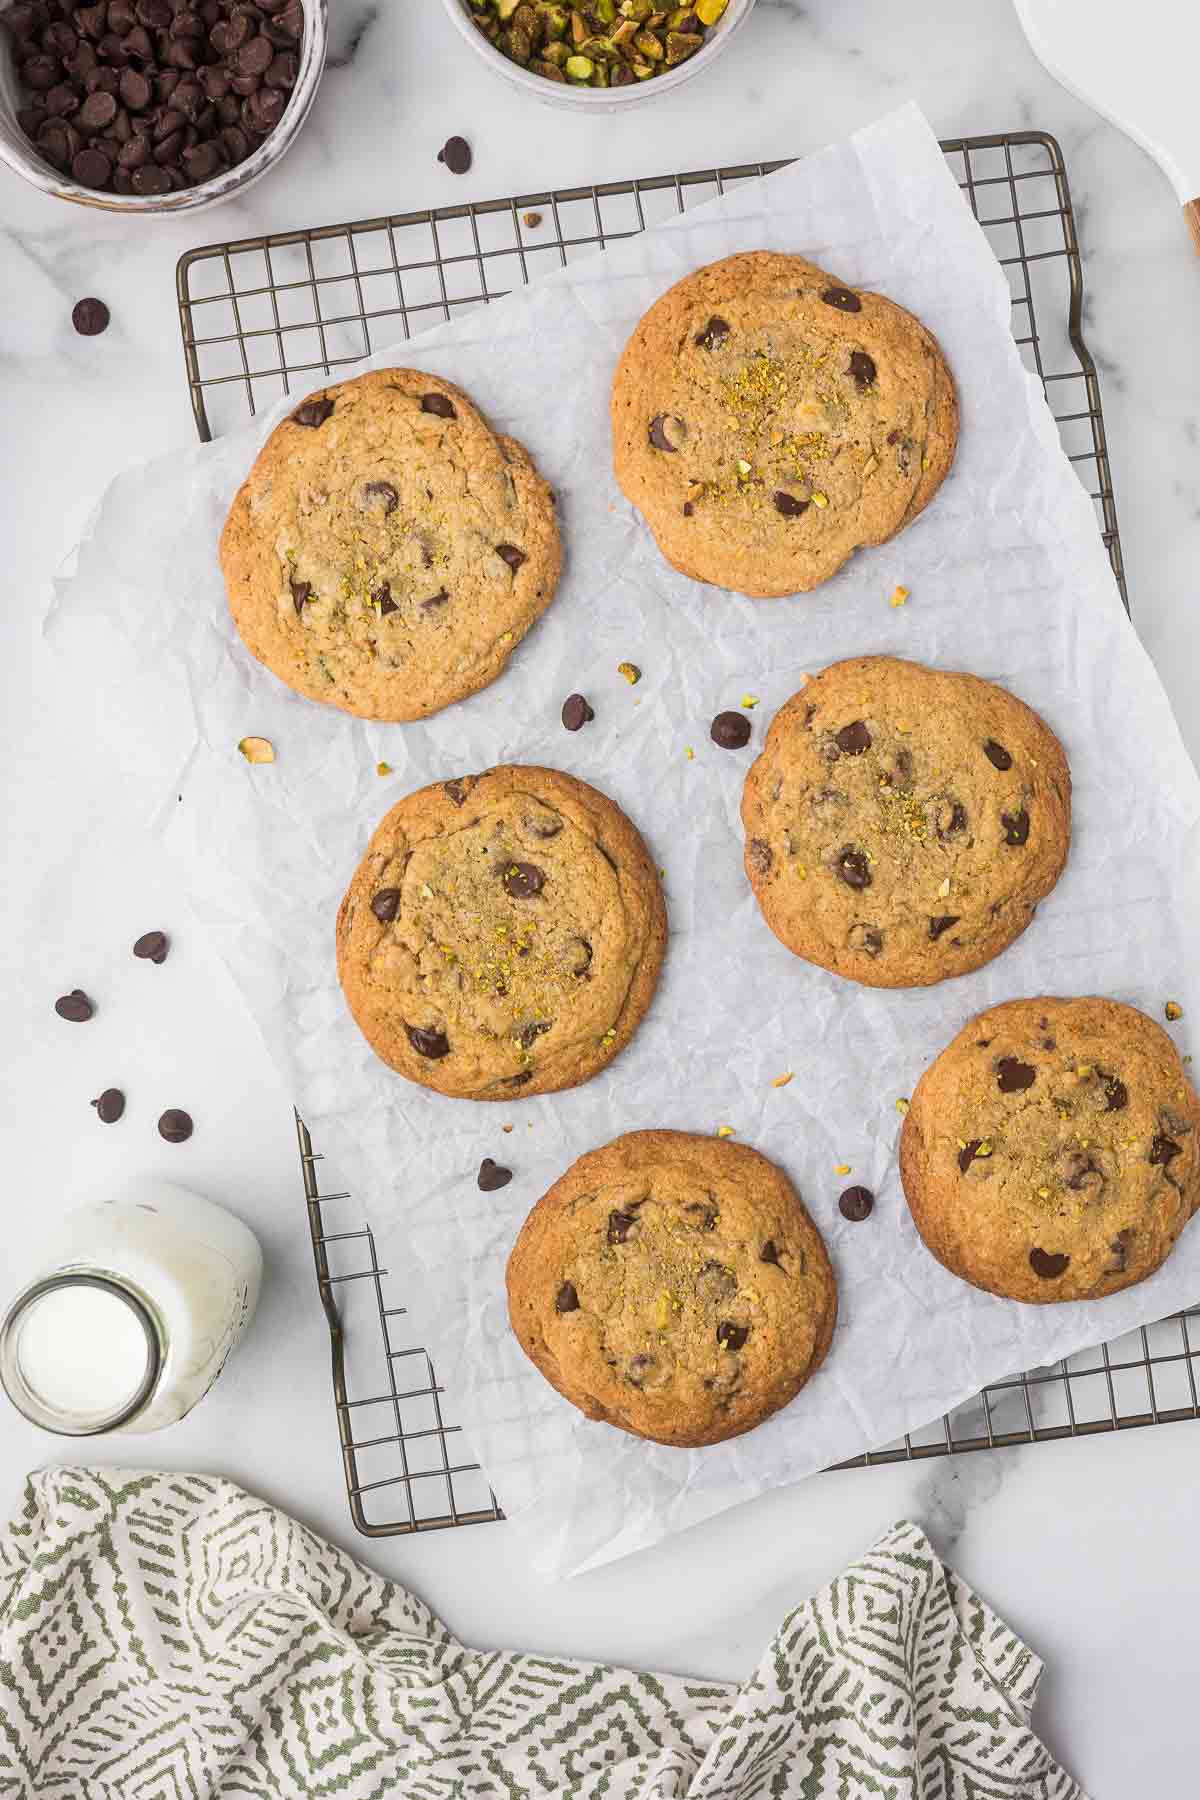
257	315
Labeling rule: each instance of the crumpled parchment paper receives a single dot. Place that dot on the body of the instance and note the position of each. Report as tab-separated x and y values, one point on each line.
1008	578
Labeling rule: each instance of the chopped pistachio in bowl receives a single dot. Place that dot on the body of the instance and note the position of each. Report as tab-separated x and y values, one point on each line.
606	54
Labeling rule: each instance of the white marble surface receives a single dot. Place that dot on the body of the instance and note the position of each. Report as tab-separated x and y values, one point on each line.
1086	1547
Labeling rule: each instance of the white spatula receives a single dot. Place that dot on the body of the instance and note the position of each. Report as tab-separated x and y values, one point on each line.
1137	64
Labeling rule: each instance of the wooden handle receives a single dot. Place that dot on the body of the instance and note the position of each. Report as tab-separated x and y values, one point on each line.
1191	213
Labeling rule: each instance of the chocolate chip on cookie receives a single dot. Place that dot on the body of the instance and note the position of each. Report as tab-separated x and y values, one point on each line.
313	413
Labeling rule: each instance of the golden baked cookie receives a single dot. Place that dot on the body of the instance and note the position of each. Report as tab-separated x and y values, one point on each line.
768	421
1052	1151
674	1286
902	822
503	934
388	552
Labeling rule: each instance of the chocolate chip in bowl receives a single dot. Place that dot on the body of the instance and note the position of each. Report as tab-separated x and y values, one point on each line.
605	55
154	105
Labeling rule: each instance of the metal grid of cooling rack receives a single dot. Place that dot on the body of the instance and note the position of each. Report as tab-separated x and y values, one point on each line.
262	313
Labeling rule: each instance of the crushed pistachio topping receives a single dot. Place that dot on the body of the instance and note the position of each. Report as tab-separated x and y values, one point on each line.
689	752
899	596
631	672
902	812
749	701
902	1106
985	1148
724	1131
383	768
821	500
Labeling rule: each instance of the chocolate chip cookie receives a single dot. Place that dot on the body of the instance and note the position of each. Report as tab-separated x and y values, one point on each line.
768	421
903	822
503	934
1052	1151
673	1286
387	552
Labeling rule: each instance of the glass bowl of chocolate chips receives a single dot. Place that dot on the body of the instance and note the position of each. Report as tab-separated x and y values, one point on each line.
154	106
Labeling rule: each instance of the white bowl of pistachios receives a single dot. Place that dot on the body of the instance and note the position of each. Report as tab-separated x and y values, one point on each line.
606	55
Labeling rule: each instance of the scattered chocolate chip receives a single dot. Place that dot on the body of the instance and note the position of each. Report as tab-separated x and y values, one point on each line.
853	739
942	923
760	856
843	299
968	1153
770	1253
997	754
1163	1149
456	154
576	712
706	1214
862	368
714	334
663	427
730	1336
433	1044
620	1224
688	509
1116	1094
853	867
566	1300
90	317
386	904
382	596
1016	827
383	490
455	790
1047	1264
731	730
1119	1249
175	1125
856	1204
522	880
74	1006
109	1106
439	404
511	555
788	505
313	413
301	591
1080	1173
548	824
492	1175
152	946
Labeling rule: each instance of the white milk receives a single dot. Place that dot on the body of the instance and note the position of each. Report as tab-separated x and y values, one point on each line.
136	1304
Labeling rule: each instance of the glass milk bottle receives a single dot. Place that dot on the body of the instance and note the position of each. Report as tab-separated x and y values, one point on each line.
136	1305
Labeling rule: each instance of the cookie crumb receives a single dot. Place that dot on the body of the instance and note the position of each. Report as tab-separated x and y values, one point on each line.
531	220
383	768
782	1080
506	1128
1173	1010
631	672
257	749
899	596
902	1106
724	1131
841	1168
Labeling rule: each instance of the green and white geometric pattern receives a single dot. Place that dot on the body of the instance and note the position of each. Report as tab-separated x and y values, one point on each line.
169	1636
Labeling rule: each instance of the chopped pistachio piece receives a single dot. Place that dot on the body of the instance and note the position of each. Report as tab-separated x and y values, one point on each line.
724	1131
902	1106
616	41
649	45
1173	1010
383	768
899	596
579	68
506	8
841	1168
631	672
709	11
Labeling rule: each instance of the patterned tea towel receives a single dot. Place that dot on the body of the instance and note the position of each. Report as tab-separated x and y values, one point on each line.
164	1636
